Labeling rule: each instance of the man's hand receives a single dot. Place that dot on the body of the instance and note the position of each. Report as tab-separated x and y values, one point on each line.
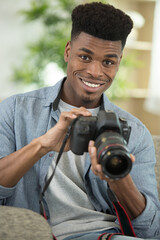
96	166
126	191
14	166
52	140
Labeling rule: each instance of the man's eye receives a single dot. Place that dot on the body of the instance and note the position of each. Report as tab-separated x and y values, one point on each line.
83	57
108	62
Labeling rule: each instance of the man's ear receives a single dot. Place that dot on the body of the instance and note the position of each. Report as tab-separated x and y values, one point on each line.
121	56
67	50
120	60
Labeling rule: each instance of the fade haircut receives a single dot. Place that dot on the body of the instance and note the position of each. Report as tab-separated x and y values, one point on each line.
102	21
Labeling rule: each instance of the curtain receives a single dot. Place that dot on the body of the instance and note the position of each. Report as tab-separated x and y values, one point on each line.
152	103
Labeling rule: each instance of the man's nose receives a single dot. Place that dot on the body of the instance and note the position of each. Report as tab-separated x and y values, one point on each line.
95	69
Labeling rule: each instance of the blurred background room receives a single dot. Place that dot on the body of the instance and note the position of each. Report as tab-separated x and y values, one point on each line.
33	37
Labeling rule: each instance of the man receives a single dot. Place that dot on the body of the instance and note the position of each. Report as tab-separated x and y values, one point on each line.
33	126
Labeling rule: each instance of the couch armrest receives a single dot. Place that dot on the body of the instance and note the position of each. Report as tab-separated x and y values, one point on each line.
19	223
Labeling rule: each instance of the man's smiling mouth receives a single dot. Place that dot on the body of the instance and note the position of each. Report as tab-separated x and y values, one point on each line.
93	85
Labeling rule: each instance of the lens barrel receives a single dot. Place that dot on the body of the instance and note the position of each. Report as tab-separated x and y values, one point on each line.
113	155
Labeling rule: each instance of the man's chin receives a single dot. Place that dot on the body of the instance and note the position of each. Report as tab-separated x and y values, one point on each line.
86	99
89	102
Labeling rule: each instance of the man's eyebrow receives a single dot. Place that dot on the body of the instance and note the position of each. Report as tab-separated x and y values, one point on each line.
111	55
106	55
86	50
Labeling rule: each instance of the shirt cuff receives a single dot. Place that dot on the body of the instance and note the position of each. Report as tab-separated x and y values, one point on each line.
6	192
144	220
147	223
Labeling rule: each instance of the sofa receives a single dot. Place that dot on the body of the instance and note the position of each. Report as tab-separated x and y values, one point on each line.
23	224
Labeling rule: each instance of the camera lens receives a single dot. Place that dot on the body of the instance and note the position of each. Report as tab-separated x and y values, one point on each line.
113	155
116	165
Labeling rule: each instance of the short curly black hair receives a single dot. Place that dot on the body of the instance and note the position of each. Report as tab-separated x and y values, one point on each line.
102	21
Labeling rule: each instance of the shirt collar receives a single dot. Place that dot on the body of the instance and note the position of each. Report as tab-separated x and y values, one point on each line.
57	98
52	95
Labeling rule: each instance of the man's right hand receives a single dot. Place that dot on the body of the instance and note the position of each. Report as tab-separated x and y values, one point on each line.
14	166
52	140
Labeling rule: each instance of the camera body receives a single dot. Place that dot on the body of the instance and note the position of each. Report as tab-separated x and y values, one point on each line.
111	135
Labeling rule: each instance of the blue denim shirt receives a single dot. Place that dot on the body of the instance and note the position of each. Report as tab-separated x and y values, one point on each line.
24	117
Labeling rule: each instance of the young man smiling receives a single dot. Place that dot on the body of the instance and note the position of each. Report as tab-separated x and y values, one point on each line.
33	126
93	64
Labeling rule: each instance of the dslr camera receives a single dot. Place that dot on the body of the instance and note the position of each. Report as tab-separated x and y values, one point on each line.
111	135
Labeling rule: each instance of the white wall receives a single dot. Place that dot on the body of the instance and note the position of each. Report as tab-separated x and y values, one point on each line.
14	35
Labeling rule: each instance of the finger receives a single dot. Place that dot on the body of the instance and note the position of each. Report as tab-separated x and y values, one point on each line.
65	119
81	111
75	112
96	167
67	116
132	158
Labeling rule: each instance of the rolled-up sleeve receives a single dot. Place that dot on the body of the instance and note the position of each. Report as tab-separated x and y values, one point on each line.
7	136
148	223
143	174
7	139
6	193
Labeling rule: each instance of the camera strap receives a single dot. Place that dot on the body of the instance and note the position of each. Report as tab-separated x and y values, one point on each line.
41	198
42	210
123	218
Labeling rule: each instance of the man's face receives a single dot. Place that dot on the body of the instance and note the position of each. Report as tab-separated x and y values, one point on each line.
92	66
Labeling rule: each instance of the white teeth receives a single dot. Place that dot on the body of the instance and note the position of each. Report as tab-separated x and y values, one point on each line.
91	84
